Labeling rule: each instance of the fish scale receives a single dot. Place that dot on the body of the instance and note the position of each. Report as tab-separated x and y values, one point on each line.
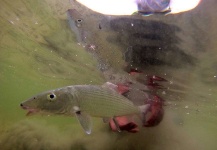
104	102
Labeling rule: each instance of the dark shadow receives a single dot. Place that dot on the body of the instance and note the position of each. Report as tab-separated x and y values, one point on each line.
150	42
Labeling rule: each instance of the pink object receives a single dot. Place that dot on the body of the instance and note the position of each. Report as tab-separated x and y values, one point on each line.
151	82
157	78
125	124
156	112
134	71
154	115
122	88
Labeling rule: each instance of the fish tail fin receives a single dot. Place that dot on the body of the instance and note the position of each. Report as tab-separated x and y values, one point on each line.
144	110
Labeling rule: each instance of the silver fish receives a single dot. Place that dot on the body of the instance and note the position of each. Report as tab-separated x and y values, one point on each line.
84	101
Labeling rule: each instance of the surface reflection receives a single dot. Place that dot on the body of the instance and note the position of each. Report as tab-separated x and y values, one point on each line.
150	42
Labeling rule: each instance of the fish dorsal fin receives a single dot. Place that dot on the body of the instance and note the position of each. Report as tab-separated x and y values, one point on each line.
119	88
84	119
110	86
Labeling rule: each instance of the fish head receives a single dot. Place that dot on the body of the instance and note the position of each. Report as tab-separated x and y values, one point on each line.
50	102
76	23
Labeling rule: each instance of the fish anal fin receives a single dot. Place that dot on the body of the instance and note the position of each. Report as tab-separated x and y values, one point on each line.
85	121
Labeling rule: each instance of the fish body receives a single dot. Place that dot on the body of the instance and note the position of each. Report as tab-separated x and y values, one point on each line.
83	101
103	102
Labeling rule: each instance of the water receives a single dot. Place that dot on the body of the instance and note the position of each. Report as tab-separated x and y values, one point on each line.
38	52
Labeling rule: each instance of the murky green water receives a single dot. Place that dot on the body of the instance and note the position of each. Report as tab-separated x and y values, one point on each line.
38	51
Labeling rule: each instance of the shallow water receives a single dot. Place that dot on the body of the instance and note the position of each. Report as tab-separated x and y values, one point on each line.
38	51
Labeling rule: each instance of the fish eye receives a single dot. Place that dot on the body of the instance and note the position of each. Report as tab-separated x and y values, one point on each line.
51	97
79	20
79	23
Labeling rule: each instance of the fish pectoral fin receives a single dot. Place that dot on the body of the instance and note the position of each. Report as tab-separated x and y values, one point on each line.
85	121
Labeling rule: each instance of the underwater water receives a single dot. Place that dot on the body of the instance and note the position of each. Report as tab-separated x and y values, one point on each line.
39	51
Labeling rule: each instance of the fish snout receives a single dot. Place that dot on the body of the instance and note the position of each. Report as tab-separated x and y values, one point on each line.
22	106
30	110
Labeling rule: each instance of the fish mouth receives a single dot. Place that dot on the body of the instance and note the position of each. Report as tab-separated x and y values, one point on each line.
30	111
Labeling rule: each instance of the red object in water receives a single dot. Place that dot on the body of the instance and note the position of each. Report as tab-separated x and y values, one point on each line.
125	124
122	89
134	71
151	82
154	115
156	78
156	112
155	86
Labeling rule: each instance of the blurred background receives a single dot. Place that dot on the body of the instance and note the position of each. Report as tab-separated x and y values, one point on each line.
41	50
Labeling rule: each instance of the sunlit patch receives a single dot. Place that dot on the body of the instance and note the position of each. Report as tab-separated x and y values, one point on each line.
111	7
178	6
128	7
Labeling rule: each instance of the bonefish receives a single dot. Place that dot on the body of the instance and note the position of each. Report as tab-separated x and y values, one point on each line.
84	101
